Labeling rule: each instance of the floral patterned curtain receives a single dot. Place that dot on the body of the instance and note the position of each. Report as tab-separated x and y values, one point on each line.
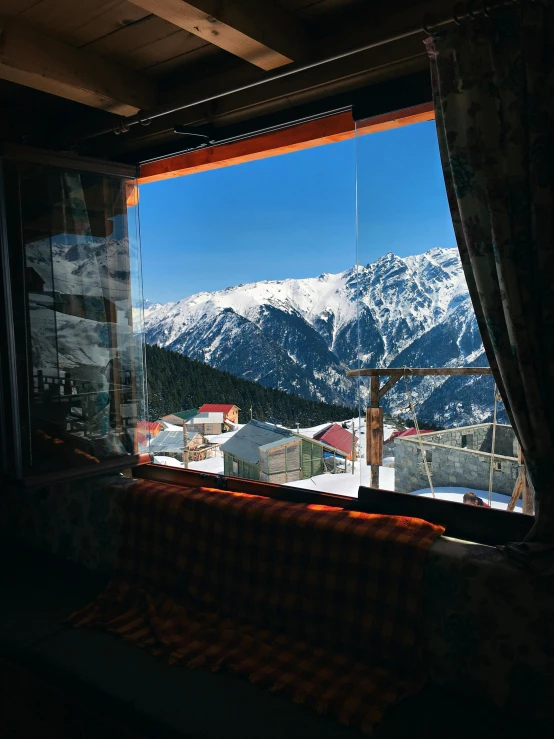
493	86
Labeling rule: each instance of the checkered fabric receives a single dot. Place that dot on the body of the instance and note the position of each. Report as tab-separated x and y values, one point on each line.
320	603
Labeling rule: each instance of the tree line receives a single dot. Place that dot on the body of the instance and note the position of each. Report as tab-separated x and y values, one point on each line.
176	383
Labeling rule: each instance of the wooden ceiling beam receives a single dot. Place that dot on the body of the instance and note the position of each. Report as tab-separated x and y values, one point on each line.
29	57
261	33
347	74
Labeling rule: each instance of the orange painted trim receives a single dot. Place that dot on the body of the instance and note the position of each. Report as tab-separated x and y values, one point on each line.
339	127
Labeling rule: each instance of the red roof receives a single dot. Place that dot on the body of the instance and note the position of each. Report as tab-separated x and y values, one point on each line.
337	437
216	408
142	438
149	427
413	432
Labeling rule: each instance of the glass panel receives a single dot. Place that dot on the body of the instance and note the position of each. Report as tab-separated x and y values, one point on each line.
414	311
252	329
84	299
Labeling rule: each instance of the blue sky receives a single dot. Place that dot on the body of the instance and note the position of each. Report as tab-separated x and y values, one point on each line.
294	215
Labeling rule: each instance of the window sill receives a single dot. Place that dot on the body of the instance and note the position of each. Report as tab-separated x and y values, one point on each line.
468	523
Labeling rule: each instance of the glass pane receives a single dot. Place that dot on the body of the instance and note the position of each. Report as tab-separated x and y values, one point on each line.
256	316
414	311
84	343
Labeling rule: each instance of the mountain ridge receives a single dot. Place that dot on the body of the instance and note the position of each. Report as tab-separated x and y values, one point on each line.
303	334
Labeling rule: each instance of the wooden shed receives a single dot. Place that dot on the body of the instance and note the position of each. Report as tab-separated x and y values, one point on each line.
262	451
281	461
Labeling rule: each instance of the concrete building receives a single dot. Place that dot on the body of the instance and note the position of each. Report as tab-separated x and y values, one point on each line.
458	457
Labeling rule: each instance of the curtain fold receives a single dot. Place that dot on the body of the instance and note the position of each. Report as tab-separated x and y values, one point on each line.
493	88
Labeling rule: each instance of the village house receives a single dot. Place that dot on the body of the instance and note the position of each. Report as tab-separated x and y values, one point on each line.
198	448
262	451
150	428
174	443
179	418
209	422
230	411
337	437
147	430
168	442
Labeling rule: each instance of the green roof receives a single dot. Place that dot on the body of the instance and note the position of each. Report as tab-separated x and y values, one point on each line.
185	415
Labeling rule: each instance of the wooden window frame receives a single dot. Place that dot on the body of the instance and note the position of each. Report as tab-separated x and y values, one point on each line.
327	130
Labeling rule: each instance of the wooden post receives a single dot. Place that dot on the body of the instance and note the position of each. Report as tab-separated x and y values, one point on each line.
517	490
522	488
353	445
374	432
526	494
185	445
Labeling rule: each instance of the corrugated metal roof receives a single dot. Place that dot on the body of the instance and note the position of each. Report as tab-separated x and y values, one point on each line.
337	437
246	442
167	441
279	442
185	415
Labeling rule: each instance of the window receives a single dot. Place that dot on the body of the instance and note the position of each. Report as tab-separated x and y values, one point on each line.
75	269
310	265
304	311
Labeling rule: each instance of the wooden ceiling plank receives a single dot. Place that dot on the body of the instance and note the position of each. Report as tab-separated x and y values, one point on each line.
170	50
119	14
260	33
182	62
127	41
94	19
348	74
29	57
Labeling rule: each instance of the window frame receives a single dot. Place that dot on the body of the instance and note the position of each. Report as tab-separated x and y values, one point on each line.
460	521
14	373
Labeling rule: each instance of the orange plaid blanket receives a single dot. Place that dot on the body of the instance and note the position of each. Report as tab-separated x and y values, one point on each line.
320	603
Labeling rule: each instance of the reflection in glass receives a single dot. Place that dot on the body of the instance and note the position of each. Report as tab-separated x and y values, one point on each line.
84	342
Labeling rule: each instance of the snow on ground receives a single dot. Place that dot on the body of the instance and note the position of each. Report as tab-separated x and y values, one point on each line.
342	483
167	461
347	483
212	464
169	426
456	494
222	438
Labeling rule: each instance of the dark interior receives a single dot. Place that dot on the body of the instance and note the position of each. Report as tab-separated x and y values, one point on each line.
99	88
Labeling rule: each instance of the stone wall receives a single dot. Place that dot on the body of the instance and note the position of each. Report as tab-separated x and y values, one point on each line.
479	438
450	466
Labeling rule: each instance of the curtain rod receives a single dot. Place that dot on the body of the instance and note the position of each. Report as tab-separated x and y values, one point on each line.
427	25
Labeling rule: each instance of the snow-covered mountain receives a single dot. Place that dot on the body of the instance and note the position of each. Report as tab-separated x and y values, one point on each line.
303	334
